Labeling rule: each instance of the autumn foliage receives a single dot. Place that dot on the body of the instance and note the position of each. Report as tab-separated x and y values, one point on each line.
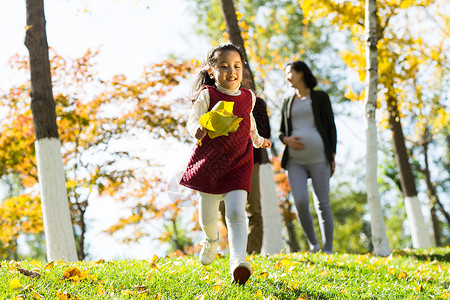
96	118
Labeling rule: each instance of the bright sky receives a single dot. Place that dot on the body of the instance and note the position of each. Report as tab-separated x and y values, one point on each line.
130	34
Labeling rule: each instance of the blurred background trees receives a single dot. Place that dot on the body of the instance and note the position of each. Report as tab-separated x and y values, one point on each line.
103	125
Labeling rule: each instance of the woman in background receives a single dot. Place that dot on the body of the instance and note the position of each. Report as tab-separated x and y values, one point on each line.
309	133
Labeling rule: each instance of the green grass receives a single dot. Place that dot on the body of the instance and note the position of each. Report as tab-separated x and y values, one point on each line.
408	274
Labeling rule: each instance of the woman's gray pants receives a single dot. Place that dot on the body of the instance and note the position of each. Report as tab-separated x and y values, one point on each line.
320	176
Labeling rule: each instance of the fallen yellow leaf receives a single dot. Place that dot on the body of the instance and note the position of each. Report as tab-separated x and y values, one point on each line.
49	266
15	285
140	288
35	294
75	278
100	290
63	297
12	267
402	275
278	265
126	292
71	272
84	274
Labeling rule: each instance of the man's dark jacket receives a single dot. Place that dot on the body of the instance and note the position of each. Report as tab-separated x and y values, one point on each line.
263	126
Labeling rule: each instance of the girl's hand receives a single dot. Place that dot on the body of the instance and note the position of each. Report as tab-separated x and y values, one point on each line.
201	132
266	144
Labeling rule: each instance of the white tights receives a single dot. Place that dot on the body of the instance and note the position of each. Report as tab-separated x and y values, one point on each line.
235	216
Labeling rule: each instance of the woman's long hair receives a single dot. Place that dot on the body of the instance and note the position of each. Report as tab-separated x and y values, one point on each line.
203	79
300	66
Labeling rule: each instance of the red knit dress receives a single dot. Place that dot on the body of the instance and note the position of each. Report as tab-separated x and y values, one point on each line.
225	163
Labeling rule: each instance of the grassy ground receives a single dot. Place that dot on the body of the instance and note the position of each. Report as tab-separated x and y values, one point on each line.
419	274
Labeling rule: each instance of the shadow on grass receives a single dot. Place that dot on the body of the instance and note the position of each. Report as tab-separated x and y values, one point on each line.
438	254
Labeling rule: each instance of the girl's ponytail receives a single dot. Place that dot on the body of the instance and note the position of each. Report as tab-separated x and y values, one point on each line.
203	79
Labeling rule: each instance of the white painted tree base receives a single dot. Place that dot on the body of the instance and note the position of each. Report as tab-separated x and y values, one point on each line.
272	239
419	232
59	237
379	238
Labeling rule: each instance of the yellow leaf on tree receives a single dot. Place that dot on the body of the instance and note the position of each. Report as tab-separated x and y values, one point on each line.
220	120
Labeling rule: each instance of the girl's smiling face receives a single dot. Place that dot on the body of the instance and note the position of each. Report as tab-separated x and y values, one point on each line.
228	70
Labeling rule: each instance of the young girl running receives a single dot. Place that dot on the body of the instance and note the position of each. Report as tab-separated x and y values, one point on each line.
221	168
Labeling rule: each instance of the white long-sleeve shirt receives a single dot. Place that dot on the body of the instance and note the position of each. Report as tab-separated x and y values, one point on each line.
201	106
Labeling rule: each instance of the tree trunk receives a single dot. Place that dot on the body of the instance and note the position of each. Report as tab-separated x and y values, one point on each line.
59	236
379	238
270	210
80	243
289	221
419	233
443	211
431	190
234	31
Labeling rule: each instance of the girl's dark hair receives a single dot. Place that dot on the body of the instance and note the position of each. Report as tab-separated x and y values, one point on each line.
203	78
300	66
